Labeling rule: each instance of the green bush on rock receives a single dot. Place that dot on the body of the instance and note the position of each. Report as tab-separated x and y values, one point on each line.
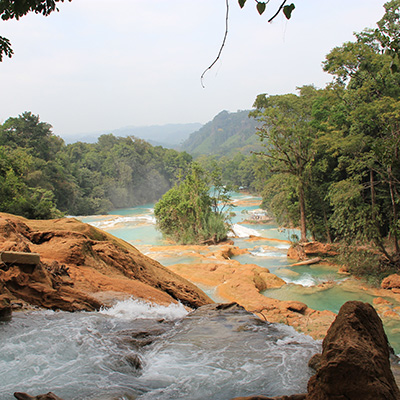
188	214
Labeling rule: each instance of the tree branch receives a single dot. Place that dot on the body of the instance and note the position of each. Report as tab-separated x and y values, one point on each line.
222	45
279	10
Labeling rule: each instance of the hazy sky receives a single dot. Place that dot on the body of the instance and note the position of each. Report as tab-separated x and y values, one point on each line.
103	64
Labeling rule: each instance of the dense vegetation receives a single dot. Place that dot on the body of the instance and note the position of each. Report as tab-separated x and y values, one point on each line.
226	135
326	160
330	161
195	210
41	177
334	152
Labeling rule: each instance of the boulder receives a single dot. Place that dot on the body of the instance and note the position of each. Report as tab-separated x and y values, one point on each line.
292	397
354	364
302	251
391	282
47	396
5	308
68	265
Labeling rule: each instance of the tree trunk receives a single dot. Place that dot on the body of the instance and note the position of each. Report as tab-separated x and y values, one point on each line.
302	205
328	233
394	211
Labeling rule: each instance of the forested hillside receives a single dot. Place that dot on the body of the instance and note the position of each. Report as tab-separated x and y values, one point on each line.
227	134
169	136
41	177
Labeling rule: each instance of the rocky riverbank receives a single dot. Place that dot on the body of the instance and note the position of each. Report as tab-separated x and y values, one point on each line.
81	268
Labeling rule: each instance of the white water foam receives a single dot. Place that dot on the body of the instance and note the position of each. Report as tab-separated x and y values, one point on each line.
261	252
85	356
306	280
283	246
133	309
113	222
242	231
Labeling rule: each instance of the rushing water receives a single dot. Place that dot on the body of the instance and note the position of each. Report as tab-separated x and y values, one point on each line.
135	350
136	225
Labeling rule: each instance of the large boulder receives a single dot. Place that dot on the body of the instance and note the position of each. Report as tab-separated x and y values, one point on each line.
354	364
80	268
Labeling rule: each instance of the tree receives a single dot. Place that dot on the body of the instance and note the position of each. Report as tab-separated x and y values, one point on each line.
10	9
288	136
187	213
365	139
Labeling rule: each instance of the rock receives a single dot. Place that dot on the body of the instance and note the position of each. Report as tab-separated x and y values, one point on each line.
380	301
134	361
391	282
296	306
5	308
344	270
315	362
293	397
243	283
355	358
80	265
311	249
47	396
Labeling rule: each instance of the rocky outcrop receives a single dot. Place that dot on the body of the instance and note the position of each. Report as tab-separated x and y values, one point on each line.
82	268
303	251
293	397
47	396
243	283
355	358
354	364
392	282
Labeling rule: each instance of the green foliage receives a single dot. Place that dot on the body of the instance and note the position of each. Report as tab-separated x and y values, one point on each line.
262	5
226	135
188	214
10	9
5	48
288	138
40	175
340	145
366	264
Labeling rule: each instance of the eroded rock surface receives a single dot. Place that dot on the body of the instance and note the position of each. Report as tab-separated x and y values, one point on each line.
80	265
307	250
392	282
47	396
355	358
243	283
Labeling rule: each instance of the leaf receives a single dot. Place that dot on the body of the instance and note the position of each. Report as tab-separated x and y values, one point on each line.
260	7
287	10
241	3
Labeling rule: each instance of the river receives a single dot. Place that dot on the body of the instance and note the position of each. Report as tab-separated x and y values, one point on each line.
135	350
137	226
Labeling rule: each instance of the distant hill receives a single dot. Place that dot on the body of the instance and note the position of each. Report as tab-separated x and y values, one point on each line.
170	135
226	134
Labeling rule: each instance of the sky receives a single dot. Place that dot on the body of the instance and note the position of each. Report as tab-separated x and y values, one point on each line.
99	65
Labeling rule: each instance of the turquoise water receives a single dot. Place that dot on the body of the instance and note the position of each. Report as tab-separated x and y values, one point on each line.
313	284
